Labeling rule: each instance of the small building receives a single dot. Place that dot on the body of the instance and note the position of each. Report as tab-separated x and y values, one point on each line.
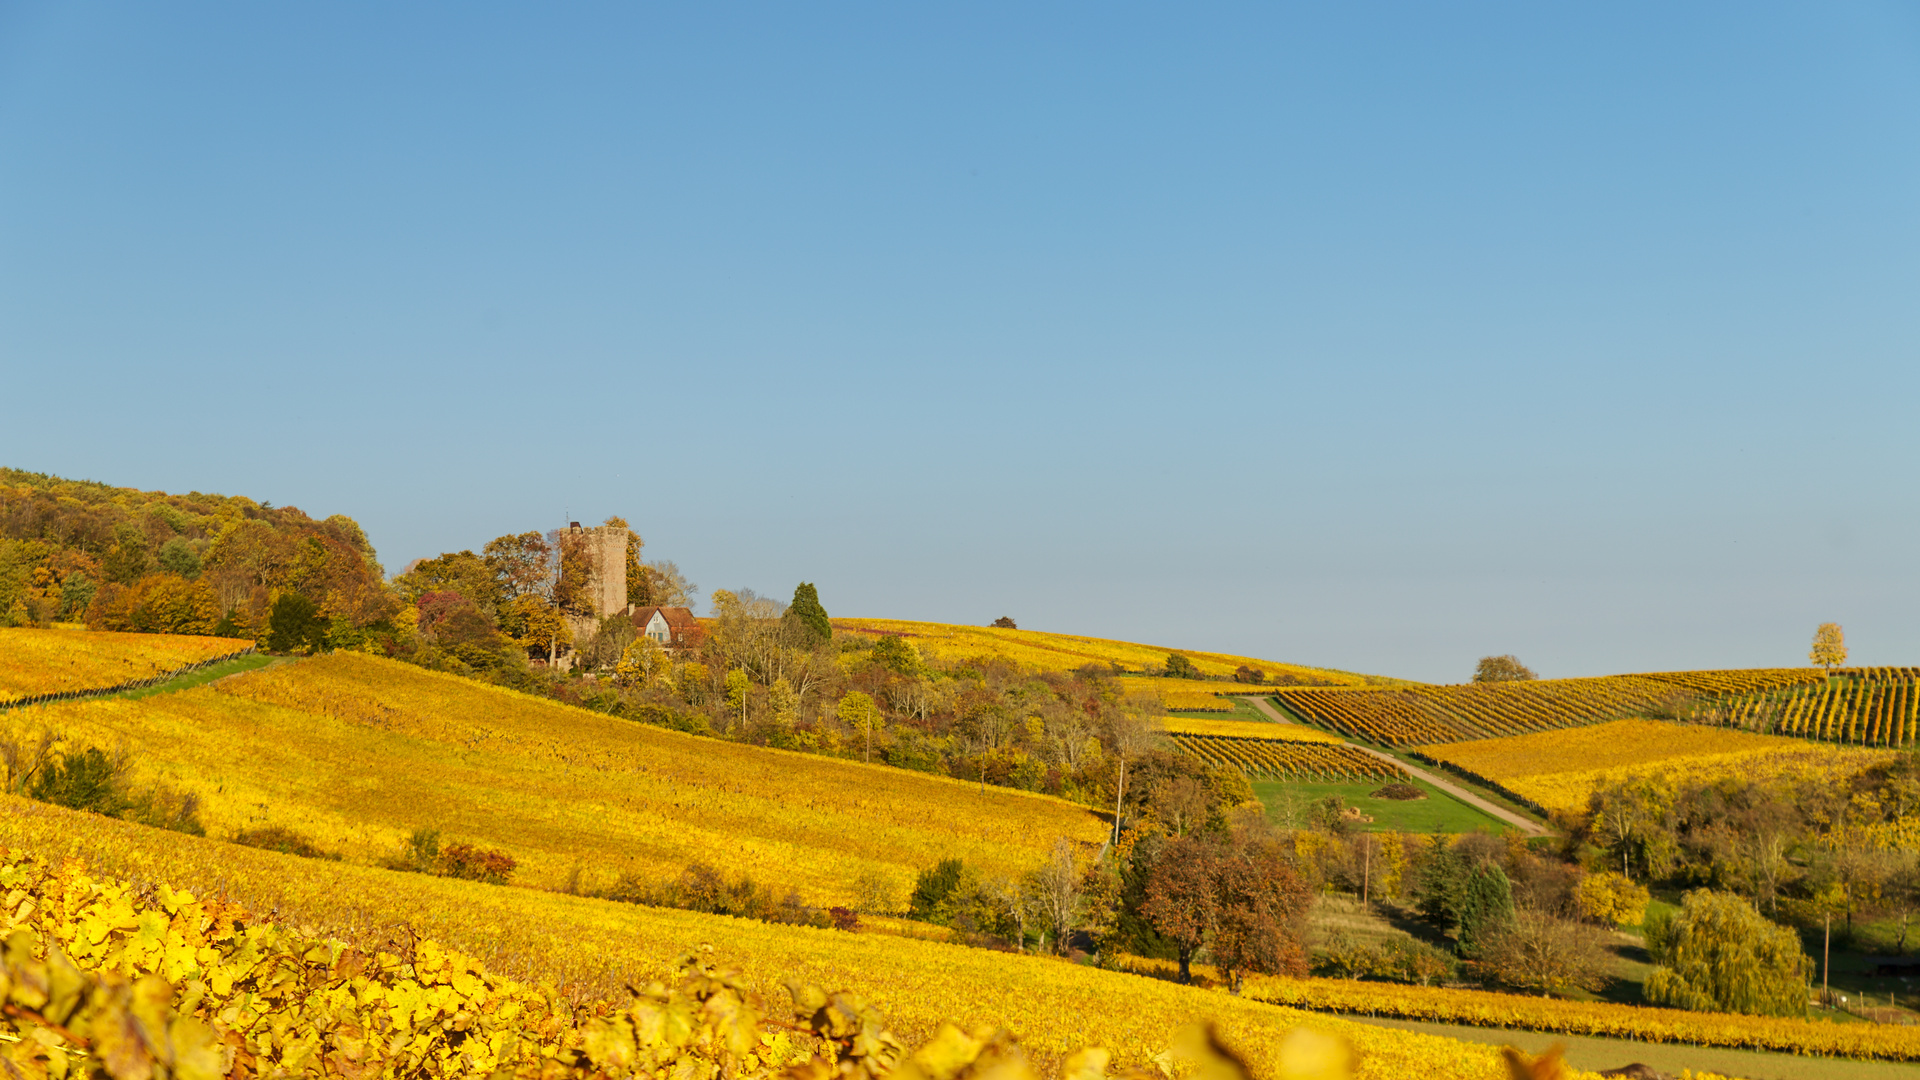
669	627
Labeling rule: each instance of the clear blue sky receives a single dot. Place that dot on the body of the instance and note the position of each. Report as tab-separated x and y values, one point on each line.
1375	336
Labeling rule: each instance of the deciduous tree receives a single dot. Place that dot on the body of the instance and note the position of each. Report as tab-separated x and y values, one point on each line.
1718	954
856	711
1611	898
1179	667
1829	646
522	565
1506	668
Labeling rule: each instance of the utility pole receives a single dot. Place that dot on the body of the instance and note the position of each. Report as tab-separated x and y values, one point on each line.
1826	955
1366	869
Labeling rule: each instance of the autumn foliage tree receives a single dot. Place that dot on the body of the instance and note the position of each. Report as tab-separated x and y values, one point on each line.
1829	646
1720	954
1506	668
1238	896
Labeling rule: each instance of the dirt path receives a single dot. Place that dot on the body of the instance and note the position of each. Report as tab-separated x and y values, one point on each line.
1531	828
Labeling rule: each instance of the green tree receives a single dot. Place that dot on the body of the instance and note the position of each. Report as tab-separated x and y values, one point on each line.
1485	910
178	557
1179	667
295	625
1719	954
1829	646
1506	668
806	612
896	654
933	888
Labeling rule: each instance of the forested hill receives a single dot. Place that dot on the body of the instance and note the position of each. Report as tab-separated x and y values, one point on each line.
123	559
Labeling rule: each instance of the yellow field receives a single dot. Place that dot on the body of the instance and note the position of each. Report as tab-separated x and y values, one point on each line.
1248	729
1192	694
593	948
1064	652
1560	768
34	662
1487	1008
356	752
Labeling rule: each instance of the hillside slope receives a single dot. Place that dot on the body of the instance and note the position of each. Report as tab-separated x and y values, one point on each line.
595	948
356	752
45	661
1065	652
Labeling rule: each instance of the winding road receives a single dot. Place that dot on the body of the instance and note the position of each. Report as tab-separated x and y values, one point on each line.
1531	828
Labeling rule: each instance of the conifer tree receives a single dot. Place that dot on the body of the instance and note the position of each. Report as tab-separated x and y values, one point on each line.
806	611
1486	907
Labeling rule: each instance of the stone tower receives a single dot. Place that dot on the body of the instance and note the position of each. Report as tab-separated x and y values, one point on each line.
607	566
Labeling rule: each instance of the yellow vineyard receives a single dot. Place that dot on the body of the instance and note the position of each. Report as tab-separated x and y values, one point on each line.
35	661
1412	715
1247	729
1558	769
1482	1008
1263	758
1065	652
1863	706
1188	694
356	752
592	949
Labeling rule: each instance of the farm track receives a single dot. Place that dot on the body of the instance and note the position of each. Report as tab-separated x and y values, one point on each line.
1531	828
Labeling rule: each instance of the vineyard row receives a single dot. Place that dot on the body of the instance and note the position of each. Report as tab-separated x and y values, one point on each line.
1276	758
1425	715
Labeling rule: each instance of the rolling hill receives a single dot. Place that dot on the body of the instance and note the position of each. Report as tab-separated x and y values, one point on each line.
1043	651
355	752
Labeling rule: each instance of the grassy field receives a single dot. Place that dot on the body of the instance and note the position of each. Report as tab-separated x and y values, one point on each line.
356	752
1437	813
47	661
1560	768
1065	652
594	948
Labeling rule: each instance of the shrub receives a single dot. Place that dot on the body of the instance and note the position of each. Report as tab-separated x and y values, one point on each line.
1611	898
87	780
1179	667
469	863
1402	792
934	888
283	840
1536	951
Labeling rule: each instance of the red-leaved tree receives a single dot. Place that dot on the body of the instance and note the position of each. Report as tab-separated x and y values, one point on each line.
1240	898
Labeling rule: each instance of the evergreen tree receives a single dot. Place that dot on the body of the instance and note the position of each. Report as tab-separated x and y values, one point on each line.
295	624
807	612
1486	907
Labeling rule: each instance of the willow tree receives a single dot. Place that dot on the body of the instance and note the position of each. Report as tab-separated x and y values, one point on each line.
1718	954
